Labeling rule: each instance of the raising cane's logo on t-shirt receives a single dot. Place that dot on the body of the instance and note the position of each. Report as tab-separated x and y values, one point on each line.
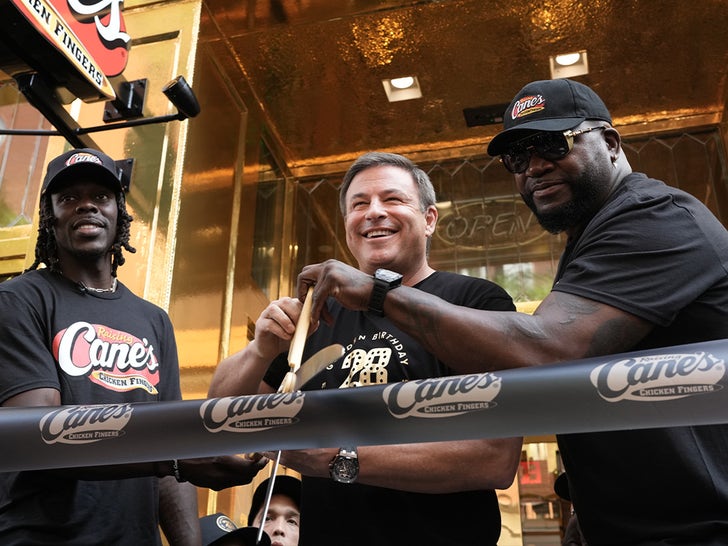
114	359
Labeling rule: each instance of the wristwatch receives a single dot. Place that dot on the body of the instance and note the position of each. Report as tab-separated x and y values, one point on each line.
384	281
344	467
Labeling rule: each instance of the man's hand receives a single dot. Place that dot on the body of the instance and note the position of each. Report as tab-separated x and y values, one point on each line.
221	472
275	327
348	285
309	462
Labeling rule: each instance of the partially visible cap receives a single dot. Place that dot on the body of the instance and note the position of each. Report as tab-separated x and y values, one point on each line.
561	486
548	105
283	485
218	529
82	162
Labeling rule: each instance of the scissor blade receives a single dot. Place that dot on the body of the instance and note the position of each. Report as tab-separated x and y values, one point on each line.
318	362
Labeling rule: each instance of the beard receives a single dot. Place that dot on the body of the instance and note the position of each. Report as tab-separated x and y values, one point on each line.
589	192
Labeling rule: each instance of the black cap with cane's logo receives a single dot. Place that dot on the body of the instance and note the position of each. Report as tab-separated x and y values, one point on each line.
548	105
82	162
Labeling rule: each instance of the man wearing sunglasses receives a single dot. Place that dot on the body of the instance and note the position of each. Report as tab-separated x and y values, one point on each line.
645	267
561	141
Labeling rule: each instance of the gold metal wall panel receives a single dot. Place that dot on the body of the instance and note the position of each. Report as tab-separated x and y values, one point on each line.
315	68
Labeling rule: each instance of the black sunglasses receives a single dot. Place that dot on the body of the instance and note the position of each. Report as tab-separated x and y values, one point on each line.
549	145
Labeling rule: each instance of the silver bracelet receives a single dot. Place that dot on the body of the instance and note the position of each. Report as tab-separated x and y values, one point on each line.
176	472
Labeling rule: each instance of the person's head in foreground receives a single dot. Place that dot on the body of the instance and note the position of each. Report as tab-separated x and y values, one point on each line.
283	520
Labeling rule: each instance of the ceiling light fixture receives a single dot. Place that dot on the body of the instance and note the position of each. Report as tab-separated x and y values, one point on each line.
402	83
402	88
568	59
568	65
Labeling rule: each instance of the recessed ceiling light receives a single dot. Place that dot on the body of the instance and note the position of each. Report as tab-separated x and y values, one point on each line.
568	65
568	59
402	88
402	83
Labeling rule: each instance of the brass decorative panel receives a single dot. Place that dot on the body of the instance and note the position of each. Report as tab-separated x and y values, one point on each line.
314	68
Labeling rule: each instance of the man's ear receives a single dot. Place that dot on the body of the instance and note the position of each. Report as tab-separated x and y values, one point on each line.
614	142
431	216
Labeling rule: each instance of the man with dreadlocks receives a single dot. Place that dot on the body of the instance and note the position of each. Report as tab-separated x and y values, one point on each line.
61	169
56	322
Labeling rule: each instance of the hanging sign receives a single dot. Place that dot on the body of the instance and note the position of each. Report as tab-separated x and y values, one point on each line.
90	37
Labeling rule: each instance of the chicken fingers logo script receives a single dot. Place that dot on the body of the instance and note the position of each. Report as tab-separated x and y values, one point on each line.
114	359
85	424
659	377
251	413
442	397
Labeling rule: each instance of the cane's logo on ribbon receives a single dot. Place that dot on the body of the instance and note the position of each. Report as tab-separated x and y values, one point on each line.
525	106
659	377
442	397
251	413
85	424
113	359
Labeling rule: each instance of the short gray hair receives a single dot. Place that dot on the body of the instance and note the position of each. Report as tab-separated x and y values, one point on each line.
379	159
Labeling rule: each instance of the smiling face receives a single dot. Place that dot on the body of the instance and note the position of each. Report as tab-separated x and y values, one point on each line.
86	215
385	226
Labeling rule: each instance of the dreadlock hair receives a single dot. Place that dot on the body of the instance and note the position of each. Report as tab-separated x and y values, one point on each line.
46	250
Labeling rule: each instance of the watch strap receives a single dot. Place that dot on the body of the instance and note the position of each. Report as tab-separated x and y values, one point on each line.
384	281
379	292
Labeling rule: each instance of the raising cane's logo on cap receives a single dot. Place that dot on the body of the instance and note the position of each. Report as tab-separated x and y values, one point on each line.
442	397
85	424
659	377
251	414
83	157
526	106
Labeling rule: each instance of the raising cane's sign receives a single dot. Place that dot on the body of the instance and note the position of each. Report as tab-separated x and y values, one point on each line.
89	34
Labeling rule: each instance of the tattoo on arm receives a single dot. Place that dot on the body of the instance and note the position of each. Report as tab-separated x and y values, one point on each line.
616	335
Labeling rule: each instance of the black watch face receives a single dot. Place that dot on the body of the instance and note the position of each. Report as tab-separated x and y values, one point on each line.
346	469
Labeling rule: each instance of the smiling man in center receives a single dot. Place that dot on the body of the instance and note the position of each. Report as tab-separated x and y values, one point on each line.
439	493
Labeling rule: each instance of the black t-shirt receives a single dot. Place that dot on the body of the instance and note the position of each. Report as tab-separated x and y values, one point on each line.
376	352
658	253
95	348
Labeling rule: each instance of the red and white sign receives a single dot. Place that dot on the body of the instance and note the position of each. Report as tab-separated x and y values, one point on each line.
92	36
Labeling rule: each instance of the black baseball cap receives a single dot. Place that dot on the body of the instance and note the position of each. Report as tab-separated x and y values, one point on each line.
548	105
218	529
82	161
283	485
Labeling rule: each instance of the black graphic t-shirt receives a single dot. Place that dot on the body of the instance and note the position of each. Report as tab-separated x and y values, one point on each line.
376	352
95	348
